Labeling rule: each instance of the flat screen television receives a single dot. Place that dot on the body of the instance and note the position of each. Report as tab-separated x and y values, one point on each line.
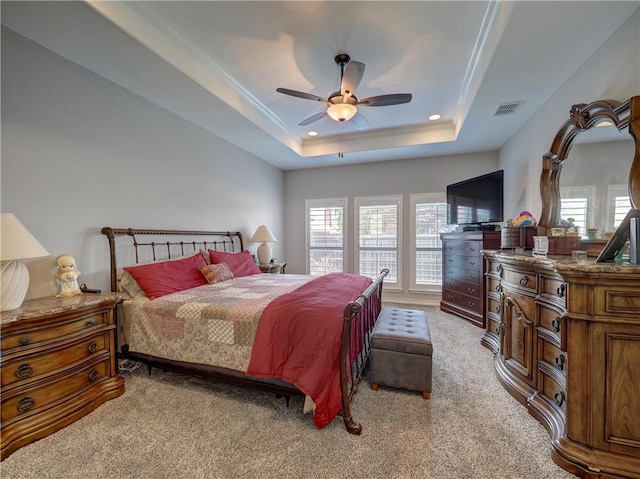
476	201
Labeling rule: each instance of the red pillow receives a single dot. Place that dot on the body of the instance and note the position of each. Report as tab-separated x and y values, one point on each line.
158	279
241	264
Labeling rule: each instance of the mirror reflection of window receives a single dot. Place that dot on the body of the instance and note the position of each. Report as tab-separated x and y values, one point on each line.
578	202
618	205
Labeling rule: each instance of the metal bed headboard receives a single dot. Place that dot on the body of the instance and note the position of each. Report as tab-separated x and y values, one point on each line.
227	241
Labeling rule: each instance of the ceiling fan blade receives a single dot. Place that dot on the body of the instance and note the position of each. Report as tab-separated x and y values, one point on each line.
351	78
386	100
360	122
299	94
312	118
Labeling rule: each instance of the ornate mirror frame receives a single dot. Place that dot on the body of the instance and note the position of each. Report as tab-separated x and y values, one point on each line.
582	118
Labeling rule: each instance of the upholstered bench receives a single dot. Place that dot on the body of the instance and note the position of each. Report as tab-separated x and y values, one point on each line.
401	351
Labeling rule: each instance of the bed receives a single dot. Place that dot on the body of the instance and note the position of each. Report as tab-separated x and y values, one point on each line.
230	328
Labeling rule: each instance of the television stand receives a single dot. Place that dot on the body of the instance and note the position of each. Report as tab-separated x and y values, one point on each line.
479	228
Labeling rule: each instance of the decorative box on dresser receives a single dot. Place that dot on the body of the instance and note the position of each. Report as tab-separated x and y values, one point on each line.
463	273
566	338
58	364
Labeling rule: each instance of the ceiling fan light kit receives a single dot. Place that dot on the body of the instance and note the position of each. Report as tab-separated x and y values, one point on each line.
342	104
342	111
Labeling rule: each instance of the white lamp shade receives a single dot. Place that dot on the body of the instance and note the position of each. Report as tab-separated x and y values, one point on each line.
342	111
16	243
264	235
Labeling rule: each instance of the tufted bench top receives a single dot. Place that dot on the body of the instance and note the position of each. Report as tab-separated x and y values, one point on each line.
402	330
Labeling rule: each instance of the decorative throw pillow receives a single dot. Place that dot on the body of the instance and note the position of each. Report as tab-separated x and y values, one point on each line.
241	264
128	285
214	273
164	277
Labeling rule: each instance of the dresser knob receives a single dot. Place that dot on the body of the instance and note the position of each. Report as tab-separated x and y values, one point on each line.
93	375
24	341
24	371
499	270
497	308
93	347
91	322
555	324
560	290
560	360
524	280
560	398
25	405
471	290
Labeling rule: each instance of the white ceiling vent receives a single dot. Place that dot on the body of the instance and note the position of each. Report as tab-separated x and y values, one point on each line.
507	108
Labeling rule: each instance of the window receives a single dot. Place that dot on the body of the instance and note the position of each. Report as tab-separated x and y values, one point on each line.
428	220
379	236
325	235
578	203
618	205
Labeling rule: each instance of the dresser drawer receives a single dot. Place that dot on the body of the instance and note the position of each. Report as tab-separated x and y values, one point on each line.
551	324
494	305
27	401
461	274
553	356
493	285
551	387
468	248
462	300
522	280
21	367
468	289
466	262
52	331
553	290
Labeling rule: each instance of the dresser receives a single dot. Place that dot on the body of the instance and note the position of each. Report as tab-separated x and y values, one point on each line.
566	338
58	364
463	273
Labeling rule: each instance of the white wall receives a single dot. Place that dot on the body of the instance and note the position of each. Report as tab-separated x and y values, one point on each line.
405	177
79	153
612	72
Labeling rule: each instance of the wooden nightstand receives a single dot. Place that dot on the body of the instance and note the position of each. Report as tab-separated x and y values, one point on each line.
58	364
273	268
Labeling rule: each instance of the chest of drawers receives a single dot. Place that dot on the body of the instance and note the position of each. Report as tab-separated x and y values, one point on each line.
57	365
463	273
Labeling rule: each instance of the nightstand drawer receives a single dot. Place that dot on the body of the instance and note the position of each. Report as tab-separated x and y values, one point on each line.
21	367
29	400
34	333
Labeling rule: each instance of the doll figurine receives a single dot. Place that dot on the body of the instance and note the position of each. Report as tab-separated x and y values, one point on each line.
67	275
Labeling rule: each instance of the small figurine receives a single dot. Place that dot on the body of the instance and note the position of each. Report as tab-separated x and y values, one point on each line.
67	275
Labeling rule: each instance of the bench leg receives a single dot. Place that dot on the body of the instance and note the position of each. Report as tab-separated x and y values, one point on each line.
374	386
426	395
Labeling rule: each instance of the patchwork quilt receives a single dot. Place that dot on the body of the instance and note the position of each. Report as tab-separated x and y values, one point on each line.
212	324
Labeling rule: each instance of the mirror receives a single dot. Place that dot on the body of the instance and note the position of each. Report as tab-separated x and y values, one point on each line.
586	161
594	184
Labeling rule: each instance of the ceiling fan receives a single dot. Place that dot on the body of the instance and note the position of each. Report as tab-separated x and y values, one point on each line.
343	104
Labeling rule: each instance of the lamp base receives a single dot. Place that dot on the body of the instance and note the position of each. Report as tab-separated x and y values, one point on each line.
264	253
14	277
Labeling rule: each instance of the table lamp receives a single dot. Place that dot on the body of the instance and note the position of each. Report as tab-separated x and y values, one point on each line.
265	236
16	243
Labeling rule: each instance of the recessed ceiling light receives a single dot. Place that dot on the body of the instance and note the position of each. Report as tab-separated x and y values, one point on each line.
434	117
312	133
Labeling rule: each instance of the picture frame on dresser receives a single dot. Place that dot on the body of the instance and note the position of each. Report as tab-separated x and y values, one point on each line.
619	239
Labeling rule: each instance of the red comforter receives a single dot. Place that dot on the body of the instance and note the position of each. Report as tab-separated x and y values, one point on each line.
299	336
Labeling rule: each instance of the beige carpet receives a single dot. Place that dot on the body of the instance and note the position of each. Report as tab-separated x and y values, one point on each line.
172	426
